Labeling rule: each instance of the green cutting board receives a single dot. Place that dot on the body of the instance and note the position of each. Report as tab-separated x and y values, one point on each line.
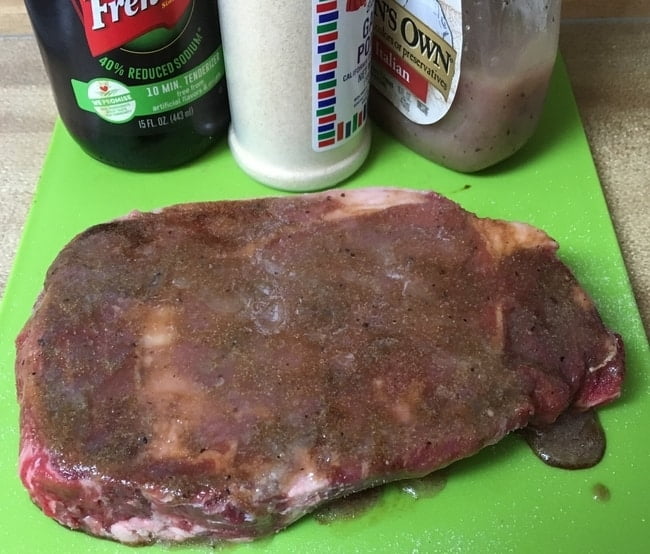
502	500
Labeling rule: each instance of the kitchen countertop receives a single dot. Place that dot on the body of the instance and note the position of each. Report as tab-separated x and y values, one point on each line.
606	50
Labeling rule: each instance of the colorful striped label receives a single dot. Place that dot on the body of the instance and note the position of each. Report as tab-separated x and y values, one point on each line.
341	68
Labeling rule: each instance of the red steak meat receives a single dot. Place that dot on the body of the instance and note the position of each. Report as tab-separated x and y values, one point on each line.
217	370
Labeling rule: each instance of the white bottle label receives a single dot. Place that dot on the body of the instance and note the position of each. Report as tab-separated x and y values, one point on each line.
341	54
417	48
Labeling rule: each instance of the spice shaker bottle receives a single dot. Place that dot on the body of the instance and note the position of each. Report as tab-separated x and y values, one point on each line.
138	85
298	81
462	82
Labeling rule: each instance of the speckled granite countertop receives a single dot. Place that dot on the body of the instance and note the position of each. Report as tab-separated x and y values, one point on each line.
607	52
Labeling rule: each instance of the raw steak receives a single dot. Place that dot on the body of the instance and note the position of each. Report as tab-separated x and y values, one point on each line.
218	370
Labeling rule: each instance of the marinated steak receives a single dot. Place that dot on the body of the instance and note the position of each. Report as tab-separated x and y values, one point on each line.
218	370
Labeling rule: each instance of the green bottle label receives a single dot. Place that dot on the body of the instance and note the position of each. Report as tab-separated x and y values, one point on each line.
116	102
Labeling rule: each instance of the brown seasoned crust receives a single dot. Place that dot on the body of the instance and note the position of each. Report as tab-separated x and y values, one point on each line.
219	369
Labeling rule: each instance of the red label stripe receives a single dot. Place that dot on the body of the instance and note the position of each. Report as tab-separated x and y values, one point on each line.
328	37
326	67
326	7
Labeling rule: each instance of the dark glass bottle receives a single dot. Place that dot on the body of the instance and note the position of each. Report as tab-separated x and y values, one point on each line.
138	84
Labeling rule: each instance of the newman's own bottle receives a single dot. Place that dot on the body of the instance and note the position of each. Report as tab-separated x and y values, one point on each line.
462	82
138	84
